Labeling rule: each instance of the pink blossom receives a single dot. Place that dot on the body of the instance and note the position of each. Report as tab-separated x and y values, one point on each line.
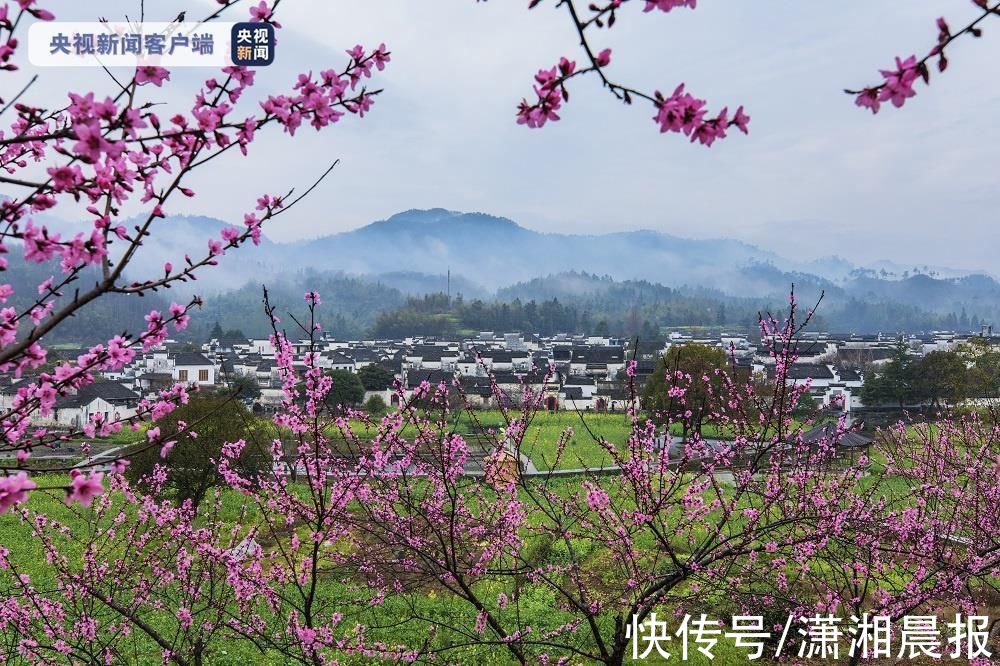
84	488
262	12
898	85
120	353
667	5
253	224
181	318
381	56
741	120
680	112
65	177
306	635
151	74
91	143
14	490
869	98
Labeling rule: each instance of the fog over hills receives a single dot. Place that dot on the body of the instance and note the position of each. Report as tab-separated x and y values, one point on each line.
413	252
495	252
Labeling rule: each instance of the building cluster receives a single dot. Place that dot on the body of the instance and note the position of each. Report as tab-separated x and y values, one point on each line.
574	372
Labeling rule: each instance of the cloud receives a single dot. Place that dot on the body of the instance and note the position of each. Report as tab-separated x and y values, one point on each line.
816	176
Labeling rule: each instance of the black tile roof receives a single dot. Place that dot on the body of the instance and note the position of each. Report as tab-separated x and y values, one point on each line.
338	358
112	392
804	372
191	358
829	431
847	375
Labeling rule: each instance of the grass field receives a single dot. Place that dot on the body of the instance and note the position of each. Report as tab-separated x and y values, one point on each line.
536	605
540	443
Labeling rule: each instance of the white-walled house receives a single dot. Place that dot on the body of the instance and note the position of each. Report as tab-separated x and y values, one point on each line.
470	367
262	346
335	360
587	385
573	398
157	361
432	357
9	391
193	368
111	400
266	372
818	376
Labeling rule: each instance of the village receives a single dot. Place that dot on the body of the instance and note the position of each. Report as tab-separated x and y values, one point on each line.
573	372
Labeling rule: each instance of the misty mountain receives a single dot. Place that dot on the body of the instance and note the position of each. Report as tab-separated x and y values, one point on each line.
100	319
414	251
412	283
350	305
494	252
653	277
843	308
174	237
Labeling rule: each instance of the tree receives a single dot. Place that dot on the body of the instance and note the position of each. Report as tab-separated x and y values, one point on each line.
75	148
242	387
893	383
984	374
941	376
899	80
376	377
216	333
742	541
346	391
191	440
677	387
806	408
379	522
375	405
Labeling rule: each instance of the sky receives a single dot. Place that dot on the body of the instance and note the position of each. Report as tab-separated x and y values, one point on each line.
817	176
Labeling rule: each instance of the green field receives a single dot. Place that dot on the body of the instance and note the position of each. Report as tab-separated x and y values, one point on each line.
582	450
536	606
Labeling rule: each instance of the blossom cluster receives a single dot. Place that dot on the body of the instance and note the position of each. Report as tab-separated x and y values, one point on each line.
682	112
106	151
679	112
897	84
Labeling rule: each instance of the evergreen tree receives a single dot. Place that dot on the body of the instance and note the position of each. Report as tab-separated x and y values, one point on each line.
894	383
376	377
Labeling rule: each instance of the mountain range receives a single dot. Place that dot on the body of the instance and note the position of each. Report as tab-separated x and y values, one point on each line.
487	257
485	252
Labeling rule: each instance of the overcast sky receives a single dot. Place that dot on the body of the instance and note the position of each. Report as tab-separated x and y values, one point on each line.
817	176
